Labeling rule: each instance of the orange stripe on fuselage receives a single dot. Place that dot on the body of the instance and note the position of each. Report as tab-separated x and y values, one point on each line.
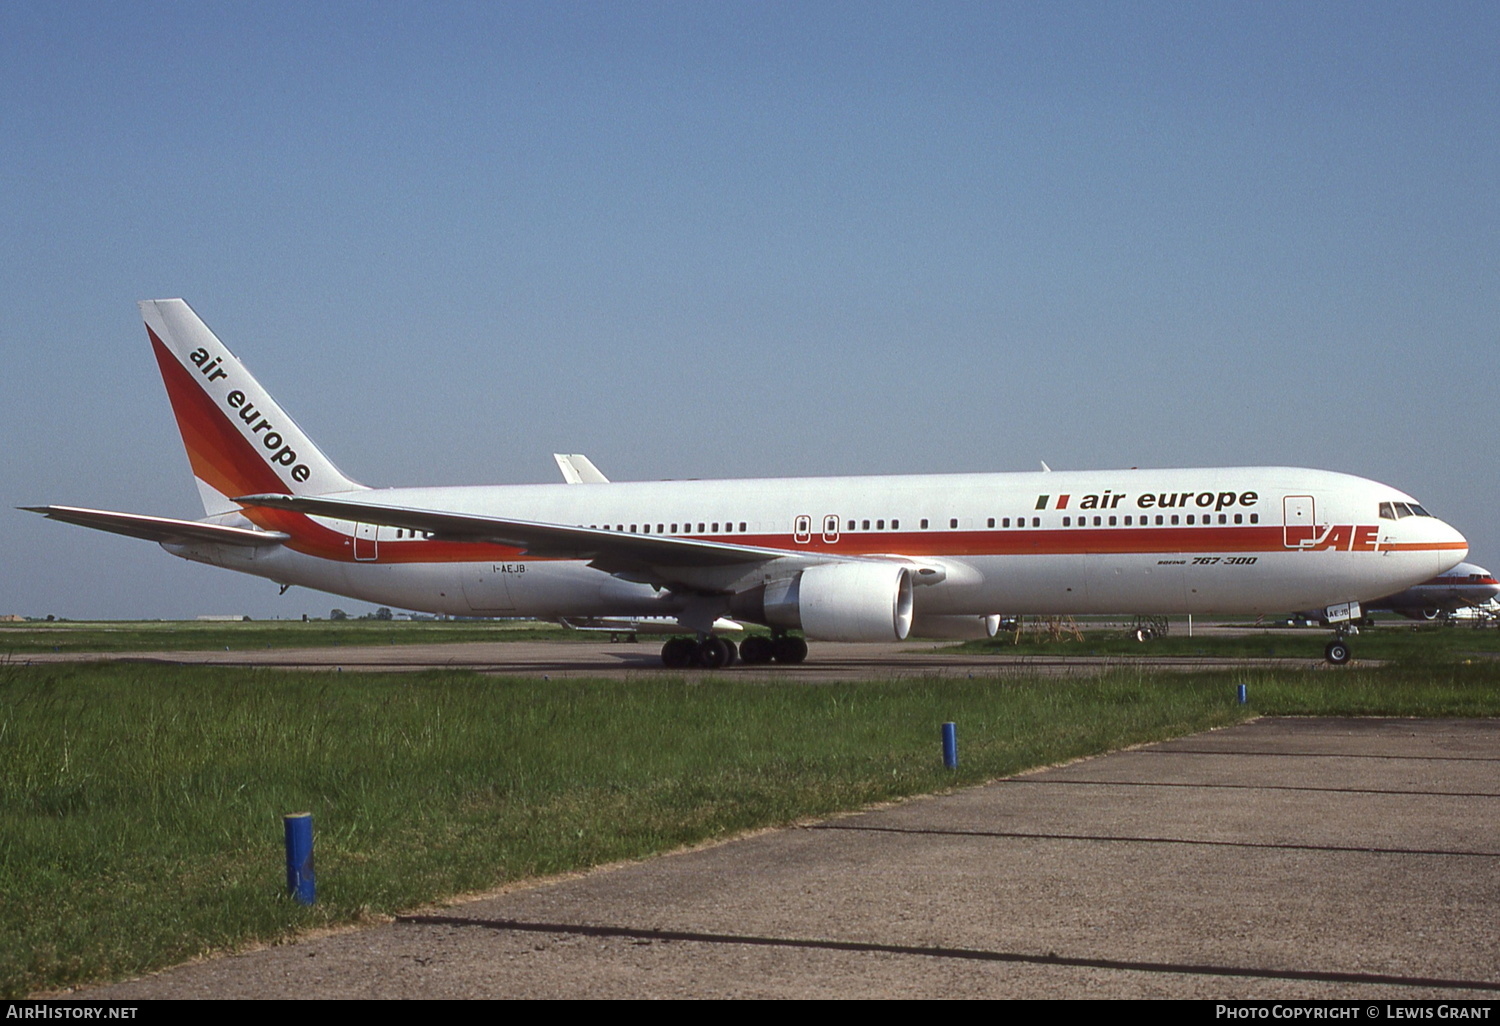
1165	541
1424	546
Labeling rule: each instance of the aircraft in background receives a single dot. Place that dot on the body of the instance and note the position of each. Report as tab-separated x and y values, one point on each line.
1456	588
836	558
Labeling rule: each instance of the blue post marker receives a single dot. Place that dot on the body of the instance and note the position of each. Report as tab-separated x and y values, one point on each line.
950	745
1244	697
299	857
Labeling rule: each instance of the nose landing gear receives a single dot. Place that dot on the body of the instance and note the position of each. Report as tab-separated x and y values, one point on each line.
1337	652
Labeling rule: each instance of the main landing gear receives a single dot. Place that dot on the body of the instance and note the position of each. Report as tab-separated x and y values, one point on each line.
715	653
782	648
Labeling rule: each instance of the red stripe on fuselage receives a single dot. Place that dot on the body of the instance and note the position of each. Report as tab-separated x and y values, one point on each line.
1164	541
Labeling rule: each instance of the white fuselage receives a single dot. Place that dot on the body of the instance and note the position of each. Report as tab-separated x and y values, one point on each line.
1210	541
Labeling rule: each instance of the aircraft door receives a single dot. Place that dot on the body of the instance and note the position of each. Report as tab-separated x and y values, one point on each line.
831	529
802	530
366	542
1299	520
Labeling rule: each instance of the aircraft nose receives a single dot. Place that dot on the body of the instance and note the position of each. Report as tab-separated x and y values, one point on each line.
1450	546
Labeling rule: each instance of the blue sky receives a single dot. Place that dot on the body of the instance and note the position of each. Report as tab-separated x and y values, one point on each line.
725	239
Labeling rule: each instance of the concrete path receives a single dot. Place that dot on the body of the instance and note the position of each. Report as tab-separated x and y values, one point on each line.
827	662
1357	859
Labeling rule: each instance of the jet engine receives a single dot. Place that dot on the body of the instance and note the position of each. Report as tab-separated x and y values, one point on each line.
843	602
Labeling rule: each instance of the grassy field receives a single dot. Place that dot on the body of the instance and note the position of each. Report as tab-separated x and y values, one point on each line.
140	806
185	636
1390	640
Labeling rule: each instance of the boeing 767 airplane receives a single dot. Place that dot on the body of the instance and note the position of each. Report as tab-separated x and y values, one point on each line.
835	558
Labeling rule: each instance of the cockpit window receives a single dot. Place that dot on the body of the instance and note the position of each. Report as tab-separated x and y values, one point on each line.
1399	510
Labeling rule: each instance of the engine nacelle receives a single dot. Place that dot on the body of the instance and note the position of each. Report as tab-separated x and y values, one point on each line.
948	627
844	602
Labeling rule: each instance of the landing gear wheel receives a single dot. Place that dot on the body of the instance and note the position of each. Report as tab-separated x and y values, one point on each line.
756	650
1337	652
679	653
715	653
786	649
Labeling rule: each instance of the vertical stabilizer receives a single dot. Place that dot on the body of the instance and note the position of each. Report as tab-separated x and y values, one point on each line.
238	440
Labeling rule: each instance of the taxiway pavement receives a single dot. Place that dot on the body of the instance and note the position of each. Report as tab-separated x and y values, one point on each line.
828	661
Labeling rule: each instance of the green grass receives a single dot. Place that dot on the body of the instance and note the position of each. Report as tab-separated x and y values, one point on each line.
1397	641
180	636
140	806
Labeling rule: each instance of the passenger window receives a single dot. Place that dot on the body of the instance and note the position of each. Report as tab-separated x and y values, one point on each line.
953	523
924	523
895	525
1067	521
1174	519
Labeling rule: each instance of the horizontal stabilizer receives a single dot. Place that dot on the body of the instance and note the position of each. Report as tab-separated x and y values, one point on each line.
158	529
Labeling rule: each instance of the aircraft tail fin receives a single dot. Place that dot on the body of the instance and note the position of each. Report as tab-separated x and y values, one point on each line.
238	440
578	469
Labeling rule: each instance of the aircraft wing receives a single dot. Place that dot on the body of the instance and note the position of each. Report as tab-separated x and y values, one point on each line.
158	529
610	551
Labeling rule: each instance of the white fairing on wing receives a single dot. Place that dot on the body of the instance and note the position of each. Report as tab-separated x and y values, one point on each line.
956	628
